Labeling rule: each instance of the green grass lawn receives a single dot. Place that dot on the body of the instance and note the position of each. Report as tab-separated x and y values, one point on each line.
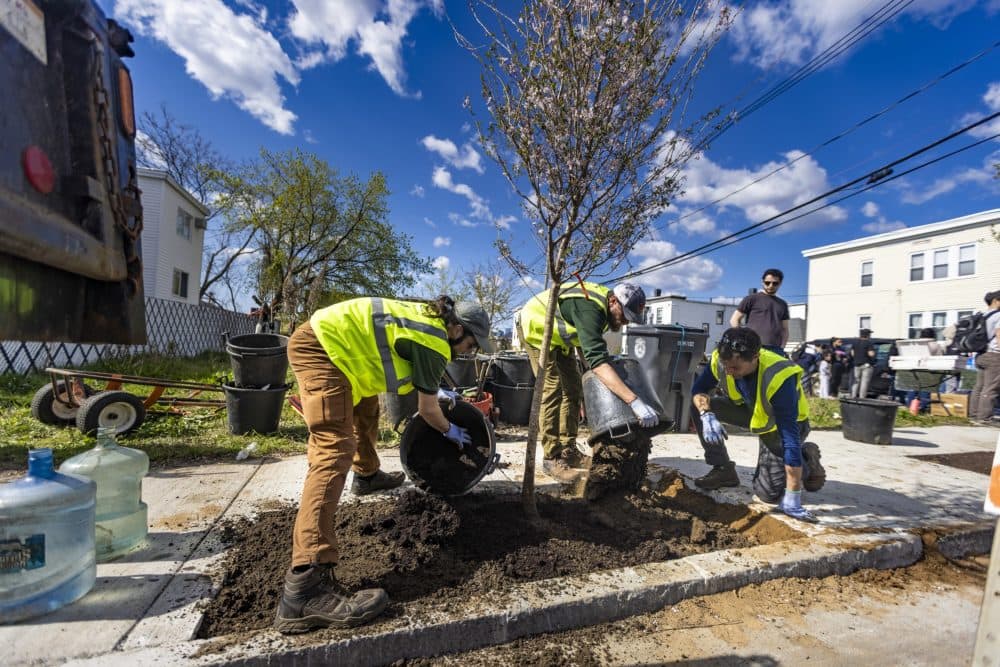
197	434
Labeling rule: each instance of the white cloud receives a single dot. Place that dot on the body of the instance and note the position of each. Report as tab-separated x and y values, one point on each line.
992	100
982	176
467	157
881	226
706	182
870	209
461	220
442	179
150	153
503	222
440	241
693	275
430	223
417	191
794	31
308	136
441	262
692	223
377	30
214	42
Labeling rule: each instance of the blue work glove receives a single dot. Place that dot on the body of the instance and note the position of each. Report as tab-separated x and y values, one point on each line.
449	396
791	504
712	429
647	416
460	436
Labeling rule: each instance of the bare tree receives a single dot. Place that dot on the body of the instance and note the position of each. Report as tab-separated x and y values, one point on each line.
192	161
587	102
490	286
444	281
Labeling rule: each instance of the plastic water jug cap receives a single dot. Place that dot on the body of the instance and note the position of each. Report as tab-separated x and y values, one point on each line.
40	462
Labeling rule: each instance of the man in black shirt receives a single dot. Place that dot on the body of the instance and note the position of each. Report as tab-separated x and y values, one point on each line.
766	313
863	354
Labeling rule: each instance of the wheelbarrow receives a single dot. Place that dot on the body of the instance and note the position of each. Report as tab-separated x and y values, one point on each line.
68	401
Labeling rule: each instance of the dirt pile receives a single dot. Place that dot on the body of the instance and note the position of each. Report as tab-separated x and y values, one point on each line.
617	465
422	548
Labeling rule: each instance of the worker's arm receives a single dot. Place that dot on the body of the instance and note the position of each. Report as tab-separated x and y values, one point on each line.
427	369
702	388
735	320
784	333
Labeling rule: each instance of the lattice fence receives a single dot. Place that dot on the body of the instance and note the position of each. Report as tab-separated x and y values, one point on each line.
172	328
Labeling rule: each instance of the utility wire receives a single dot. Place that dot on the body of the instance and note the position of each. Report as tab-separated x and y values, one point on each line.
844	133
873	178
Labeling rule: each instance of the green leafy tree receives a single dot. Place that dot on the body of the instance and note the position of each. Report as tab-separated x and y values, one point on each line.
587	102
320	236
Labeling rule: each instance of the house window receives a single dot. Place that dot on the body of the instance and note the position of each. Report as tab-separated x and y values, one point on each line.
864	322
915	325
941	263
659	315
866	273
184	224
180	287
917	267
719	315
938	322
705	327
966	260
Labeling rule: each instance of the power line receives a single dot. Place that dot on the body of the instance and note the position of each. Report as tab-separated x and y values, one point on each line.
844	133
874	178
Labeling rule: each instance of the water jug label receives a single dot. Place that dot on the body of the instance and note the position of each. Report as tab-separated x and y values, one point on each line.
27	554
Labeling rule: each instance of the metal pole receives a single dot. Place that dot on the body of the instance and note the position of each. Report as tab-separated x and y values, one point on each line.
987	651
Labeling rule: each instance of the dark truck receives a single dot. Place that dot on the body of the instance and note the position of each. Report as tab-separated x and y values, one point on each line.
70	213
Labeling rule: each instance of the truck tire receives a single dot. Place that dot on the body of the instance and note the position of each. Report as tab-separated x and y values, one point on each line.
46	409
119	410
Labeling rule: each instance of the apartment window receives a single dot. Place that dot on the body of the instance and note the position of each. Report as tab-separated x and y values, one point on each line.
180	287
938	322
184	224
659	316
917	267
867	268
720	316
940	263
966	260
864	322
915	325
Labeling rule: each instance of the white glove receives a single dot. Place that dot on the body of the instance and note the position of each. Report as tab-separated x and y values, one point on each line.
647	416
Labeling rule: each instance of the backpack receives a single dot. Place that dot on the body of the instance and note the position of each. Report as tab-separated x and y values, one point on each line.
970	333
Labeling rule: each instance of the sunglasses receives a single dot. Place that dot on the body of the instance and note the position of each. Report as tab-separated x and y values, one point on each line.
772	282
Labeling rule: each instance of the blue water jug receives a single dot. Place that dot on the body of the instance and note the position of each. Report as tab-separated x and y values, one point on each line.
118	472
46	539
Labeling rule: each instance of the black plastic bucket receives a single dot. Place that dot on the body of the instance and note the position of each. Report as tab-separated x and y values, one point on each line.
514	403
258	359
398	407
513	370
436	464
463	371
256	410
611	417
868	419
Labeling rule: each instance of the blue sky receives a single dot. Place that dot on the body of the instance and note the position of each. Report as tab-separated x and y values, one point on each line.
379	85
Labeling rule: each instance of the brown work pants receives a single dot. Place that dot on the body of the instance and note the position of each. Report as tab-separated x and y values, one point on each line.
340	434
562	393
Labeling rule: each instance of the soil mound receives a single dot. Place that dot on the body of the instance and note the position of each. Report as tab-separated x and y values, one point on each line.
421	547
617	466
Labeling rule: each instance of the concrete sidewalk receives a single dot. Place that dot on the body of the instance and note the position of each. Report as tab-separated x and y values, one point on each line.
145	606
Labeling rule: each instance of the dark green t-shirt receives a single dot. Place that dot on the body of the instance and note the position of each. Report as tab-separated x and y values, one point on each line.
428	365
590	322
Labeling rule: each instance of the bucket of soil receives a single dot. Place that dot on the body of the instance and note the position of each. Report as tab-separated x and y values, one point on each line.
610	417
438	465
258	360
256	410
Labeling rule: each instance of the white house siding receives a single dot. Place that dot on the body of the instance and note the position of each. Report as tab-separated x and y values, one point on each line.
672	310
152	211
837	300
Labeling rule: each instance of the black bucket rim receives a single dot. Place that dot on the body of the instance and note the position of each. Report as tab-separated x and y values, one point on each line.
237	388
233	345
871	402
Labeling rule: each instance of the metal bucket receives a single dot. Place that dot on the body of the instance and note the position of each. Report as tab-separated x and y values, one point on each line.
608	415
436	464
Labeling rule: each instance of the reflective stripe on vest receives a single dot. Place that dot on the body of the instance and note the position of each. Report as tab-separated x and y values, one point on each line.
564	335
359	336
772	371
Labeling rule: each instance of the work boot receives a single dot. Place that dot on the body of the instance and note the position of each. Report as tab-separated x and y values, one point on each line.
313	599
718	477
559	467
380	481
574	458
817	473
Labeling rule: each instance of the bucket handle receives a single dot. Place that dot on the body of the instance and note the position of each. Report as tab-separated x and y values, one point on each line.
618	436
492	464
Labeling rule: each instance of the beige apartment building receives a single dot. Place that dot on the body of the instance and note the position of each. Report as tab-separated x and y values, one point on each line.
902	281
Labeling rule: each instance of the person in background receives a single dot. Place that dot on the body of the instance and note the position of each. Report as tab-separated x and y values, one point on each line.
761	390
766	313
825	373
984	395
841	363
585	311
343	357
863	357
923	397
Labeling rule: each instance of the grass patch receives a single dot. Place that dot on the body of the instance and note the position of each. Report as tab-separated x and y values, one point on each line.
199	434
825	413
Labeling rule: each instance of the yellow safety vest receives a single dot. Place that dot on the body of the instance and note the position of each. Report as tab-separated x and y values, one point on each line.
359	335
772	370
564	335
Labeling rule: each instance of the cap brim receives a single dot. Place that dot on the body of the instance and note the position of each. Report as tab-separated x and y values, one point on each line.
485	344
631	315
